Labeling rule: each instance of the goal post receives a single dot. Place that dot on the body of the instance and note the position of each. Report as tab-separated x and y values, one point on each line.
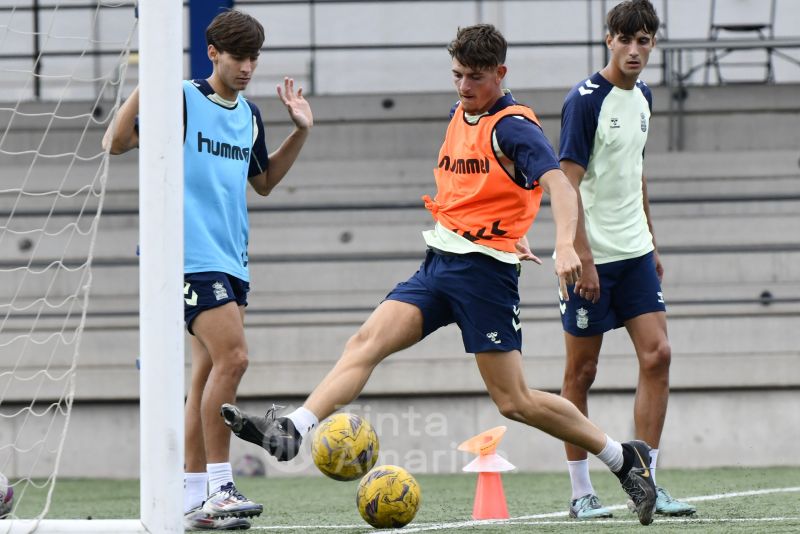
161	337
161	264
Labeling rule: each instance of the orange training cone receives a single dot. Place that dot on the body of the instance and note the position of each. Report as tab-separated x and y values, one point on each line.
490	499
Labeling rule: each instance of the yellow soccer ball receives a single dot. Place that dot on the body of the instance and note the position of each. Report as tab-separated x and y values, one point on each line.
388	497
345	446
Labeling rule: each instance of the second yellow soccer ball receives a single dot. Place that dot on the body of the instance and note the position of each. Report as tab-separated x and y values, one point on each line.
388	497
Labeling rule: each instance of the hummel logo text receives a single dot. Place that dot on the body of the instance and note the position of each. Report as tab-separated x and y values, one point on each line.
223	150
465	166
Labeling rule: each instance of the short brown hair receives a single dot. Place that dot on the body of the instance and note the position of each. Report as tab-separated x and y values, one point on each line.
631	16
235	32
479	47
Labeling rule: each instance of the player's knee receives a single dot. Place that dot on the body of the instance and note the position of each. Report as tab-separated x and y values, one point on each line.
364	346
657	360
509	410
510	406
358	341
357	352
235	364
580	377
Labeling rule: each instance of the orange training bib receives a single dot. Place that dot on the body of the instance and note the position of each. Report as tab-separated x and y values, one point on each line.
476	197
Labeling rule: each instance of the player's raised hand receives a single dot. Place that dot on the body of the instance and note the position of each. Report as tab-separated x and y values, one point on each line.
568	269
524	252
299	110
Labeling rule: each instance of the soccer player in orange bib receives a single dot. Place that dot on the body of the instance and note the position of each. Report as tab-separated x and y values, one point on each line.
492	168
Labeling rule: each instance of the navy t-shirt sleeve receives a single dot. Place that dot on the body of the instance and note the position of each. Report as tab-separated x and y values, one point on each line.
453	110
578	127
259	156
525	144
648	95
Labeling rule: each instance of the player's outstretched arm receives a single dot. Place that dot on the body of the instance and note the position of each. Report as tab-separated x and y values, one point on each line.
284	157
564	203
121	135
656	257
588	286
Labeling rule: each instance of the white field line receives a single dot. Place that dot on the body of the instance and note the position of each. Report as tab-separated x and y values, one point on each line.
530	519
670	520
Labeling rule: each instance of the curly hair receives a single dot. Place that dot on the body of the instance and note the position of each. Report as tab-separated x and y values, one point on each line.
479	47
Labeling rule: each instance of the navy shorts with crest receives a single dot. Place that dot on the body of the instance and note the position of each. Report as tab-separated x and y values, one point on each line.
204	291
628	288
475	291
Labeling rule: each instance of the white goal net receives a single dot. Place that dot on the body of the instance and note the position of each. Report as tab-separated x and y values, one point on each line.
62	67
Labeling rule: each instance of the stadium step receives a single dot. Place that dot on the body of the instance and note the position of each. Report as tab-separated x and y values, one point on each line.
747	349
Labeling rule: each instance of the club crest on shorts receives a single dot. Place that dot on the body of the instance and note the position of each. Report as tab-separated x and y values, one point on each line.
219	291
582	318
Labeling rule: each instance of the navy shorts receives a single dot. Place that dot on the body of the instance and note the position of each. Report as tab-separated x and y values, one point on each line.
476	291
203	291
628	288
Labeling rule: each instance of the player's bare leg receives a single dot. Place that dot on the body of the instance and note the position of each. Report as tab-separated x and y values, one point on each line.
649	335
221	331
195	483
579	374
392	327
555	415
504	379
580	370
195	447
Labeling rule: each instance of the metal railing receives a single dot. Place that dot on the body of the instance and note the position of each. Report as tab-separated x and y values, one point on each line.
591	46
677	72
591	10
673	63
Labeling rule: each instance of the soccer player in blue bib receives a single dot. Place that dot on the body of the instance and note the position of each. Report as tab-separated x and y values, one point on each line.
224	148
604	126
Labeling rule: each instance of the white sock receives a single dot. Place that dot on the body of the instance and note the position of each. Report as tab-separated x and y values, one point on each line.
195	490
611	455
304	420
579	476
219	475
653	461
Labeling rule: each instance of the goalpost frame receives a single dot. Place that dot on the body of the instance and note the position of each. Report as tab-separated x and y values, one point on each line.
161	264
160	285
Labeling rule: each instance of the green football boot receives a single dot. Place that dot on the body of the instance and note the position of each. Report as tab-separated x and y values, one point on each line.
588	507
667	505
